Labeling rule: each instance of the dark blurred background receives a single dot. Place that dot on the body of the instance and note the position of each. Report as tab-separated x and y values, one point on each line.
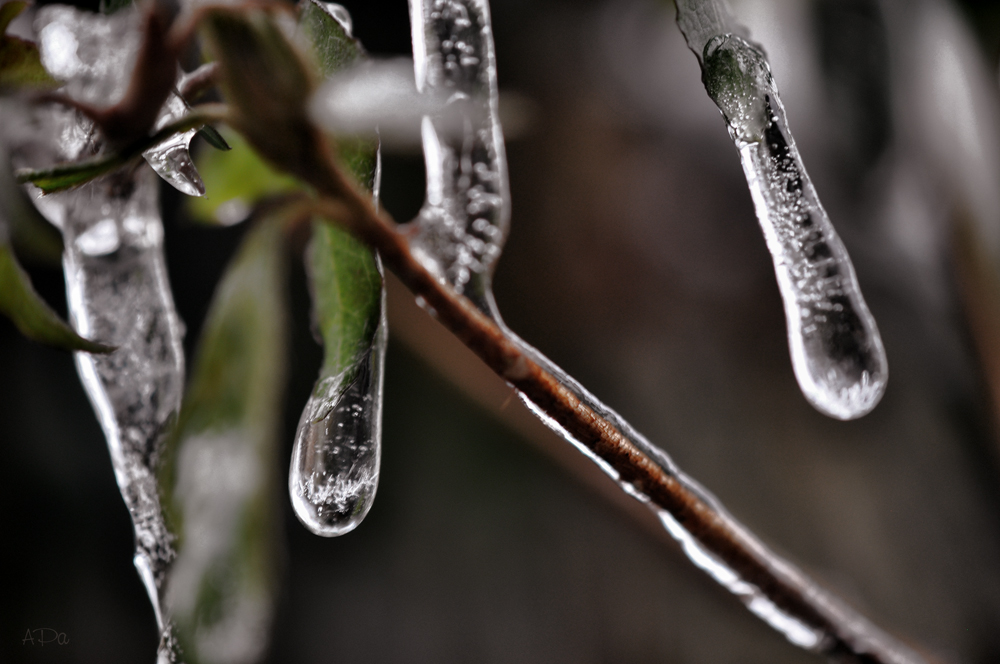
635	262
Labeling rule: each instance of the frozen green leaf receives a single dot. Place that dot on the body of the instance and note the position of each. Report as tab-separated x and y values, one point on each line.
234	181
346	288
219	470
332	44
29	312
344	277
20	63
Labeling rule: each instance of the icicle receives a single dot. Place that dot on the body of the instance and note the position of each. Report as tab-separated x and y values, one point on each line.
462	226
336	458
116	278
172	159
836	350
335	462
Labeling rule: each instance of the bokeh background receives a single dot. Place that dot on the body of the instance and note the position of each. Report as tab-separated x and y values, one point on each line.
636	263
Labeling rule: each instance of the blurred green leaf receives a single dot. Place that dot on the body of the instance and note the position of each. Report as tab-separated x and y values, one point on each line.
20	61
219	465
267	84
234	181
29	312
332	46
18	300
67	176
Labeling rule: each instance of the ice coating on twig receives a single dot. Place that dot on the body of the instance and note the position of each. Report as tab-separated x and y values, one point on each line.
836	349
172	159
462	226
337	454
116	277
815	635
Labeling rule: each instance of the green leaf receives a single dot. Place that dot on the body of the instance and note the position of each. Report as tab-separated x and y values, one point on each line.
344	274
29	312
214	138
111	6
346	287
218	470
67	176
20	62
18	300
332	46
235	181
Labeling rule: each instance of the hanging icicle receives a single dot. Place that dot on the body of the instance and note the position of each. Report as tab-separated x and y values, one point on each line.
836	349
335	462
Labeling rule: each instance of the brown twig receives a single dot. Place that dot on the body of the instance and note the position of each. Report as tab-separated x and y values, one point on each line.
197	82
844	634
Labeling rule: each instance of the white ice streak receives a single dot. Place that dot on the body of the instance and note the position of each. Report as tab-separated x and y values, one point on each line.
116	278
836	350
380	97
461	228
864	635
338	446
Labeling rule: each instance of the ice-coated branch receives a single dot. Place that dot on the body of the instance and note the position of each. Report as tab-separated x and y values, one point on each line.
67	176
268	85
773	588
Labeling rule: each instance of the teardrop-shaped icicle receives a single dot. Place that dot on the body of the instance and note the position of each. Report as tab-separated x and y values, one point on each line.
335	462
171	159
836	349
462	226
116	278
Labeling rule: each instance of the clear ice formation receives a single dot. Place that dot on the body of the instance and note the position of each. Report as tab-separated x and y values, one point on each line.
453	51
835	346
461	228
338	445
836	350
116	276
171	159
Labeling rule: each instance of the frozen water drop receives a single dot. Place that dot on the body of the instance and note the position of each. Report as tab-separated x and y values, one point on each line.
836	350
335	461
171	159
339	14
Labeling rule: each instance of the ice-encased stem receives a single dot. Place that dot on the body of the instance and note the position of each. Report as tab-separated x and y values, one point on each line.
836	349
461	228
117	289
116	279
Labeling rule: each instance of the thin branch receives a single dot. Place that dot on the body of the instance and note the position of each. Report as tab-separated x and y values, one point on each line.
67	176
846	635
197	82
